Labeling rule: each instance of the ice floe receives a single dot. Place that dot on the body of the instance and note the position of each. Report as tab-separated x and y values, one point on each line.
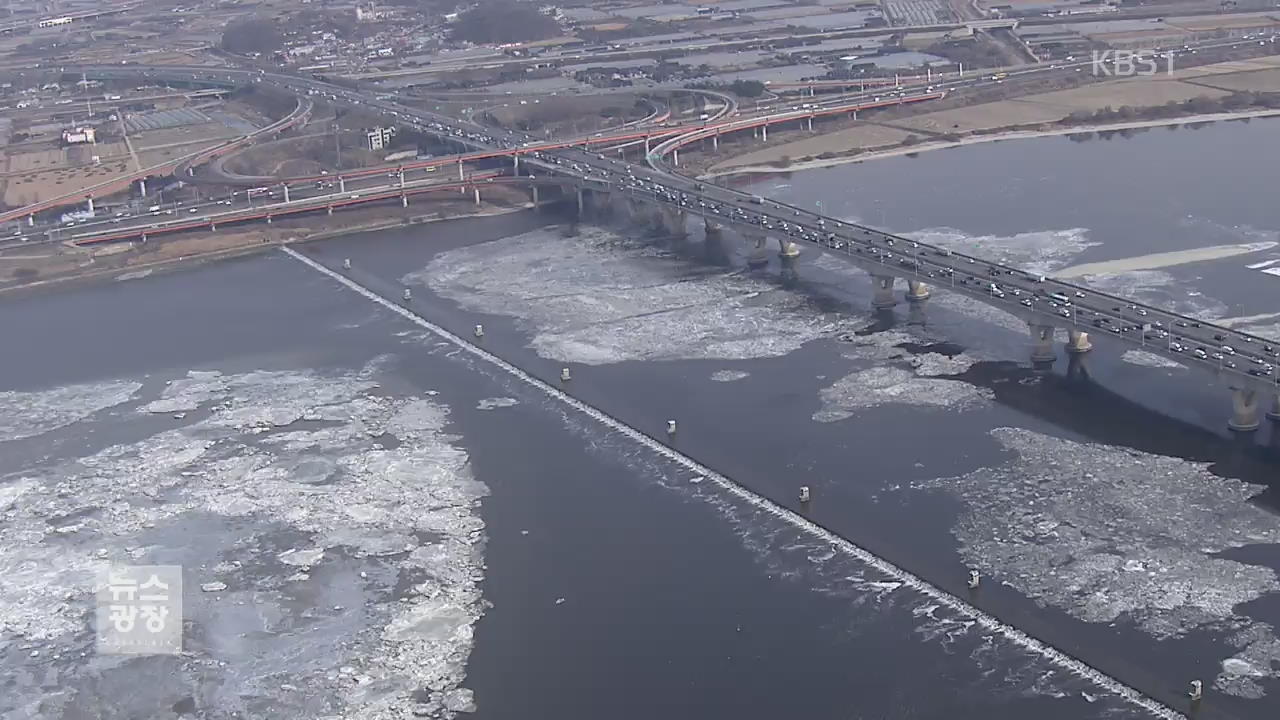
878	386
495	403
28	414
1149	359
1109	534
729	375
289	475
1040	251
598	298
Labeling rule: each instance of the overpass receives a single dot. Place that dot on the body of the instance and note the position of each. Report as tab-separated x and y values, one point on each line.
1243	362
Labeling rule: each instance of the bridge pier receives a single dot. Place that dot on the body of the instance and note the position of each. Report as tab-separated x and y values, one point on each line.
515	164
1041	343
788	250
268	220
1078	341
674	222
710	228
759	255
329	208
90	198
404	200
462	177
1244	406
917	291
286	192
142	187
1274	413
31	220
715	142
477	192
581	202
675	157
882	297
535	199
342	184
764	133
809	122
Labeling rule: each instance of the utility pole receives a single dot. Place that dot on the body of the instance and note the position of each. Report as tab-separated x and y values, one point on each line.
337	143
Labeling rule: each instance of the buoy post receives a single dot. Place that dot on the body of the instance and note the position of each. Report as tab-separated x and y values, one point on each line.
974	579
564	374
804	493
408	295
1197	691
479	331
671	427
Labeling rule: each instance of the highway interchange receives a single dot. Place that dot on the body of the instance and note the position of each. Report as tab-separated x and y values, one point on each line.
1244	361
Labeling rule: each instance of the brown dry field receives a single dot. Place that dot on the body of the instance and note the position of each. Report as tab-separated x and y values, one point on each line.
865	136
38	186
1045	108
1259	81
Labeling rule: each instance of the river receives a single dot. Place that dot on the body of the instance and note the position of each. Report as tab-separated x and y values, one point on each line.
401	523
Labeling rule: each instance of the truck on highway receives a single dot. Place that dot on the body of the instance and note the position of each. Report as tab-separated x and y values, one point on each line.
756	199
1060	298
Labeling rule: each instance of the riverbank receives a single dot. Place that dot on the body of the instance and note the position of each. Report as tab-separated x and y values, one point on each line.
759	169
139	260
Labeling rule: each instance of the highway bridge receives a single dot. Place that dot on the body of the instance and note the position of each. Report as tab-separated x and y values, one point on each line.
1244	363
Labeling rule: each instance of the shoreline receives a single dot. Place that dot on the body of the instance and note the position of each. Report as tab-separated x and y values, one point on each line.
244	249
992	137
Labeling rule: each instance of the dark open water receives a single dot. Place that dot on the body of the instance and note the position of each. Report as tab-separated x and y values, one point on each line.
677	602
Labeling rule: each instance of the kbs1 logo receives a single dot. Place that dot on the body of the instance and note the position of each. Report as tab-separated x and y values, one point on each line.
1128	63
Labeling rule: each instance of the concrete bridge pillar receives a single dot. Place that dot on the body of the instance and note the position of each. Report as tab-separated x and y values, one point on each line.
715	142
286	192
329	208
787	249
1244	406
404	200
90	204
675	157
142	187
268	220
31	220
882	292
1041	343
1274	413
342	184
709	227
515	164
809	122
477	192
674	222
917	291
764	133
759	253
1078	341
582	201
535	197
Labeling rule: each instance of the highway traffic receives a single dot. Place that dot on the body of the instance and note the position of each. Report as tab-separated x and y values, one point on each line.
1248	359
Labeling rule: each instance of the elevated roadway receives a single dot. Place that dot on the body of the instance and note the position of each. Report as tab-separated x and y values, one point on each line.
1244	362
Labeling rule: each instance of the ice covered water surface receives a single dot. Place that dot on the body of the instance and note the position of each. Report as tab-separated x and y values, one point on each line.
1114	535
335	530
28	414
598	299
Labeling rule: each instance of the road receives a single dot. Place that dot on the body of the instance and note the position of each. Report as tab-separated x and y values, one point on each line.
1244	361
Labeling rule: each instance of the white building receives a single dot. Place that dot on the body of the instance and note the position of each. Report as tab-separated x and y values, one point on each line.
380	137
79	136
